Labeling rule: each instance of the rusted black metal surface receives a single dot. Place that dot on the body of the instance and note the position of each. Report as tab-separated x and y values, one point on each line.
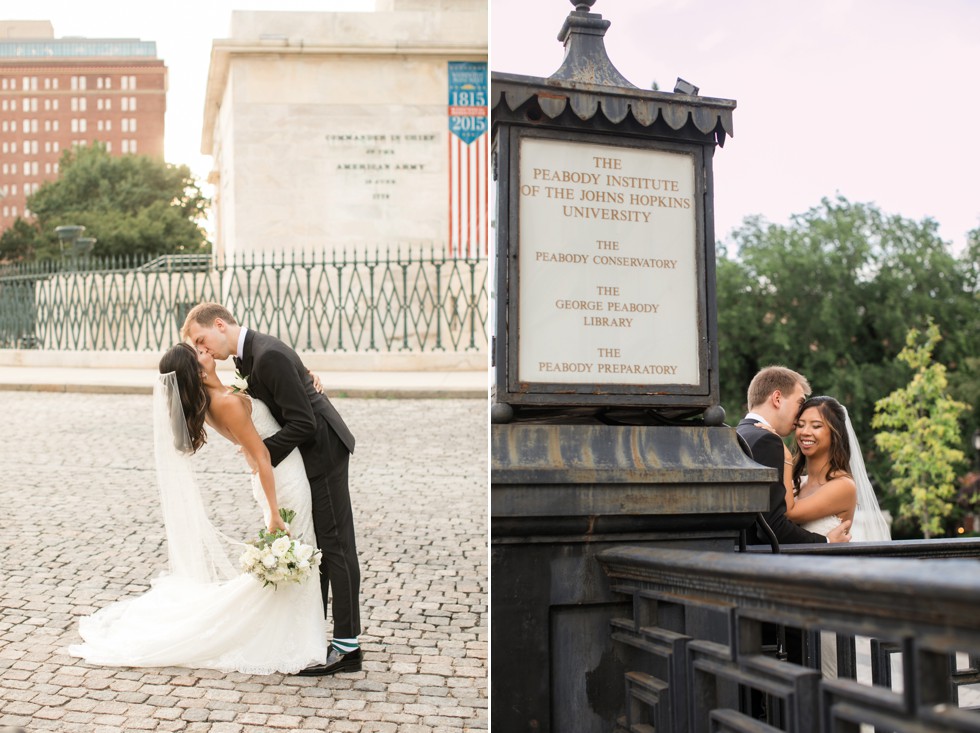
692	651
561	494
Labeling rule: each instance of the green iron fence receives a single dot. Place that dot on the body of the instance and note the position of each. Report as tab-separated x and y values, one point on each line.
385	302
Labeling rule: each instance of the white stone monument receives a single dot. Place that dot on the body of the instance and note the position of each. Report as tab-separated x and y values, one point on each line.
331	131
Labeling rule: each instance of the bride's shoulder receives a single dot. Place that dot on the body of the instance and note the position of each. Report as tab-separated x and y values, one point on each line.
229	406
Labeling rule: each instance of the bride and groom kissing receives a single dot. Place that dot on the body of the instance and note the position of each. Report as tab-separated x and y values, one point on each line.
823	493
205	612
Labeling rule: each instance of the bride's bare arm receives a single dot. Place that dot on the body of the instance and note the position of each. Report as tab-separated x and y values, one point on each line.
837	496
231	418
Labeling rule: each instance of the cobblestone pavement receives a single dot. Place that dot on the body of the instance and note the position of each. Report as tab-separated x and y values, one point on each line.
81	527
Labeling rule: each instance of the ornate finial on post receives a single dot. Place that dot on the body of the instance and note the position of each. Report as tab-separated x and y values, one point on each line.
585	53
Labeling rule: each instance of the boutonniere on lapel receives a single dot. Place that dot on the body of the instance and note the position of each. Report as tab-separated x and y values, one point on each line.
239	383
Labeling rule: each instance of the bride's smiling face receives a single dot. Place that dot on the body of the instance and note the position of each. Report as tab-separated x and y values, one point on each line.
812	432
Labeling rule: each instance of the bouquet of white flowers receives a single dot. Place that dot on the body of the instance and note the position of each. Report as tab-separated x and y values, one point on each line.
275	557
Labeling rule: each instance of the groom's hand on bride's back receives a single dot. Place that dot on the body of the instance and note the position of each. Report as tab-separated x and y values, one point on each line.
840	533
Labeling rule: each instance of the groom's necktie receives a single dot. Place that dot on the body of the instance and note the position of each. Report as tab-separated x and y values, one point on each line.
238	364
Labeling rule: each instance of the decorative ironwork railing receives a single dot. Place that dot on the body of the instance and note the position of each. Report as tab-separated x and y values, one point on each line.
696	655
385	302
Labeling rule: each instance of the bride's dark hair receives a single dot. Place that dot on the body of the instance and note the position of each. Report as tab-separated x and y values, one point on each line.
194	401
835	417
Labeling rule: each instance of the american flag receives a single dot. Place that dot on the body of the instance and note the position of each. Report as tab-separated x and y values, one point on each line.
468	159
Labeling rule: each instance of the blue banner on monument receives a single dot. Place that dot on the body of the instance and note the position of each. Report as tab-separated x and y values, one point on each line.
467	99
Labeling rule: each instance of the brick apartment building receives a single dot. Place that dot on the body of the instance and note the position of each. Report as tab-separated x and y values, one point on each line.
60	92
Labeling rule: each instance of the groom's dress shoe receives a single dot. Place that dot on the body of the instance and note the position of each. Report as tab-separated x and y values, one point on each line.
336	662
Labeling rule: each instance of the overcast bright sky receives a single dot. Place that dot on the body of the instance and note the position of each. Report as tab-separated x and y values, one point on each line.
183	31
874	99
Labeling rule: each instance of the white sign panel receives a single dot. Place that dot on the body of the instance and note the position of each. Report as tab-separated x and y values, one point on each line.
608	267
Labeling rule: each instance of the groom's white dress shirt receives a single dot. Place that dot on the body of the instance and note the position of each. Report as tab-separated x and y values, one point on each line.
241	343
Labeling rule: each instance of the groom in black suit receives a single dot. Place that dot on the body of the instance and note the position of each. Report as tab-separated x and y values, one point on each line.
277	376
774	399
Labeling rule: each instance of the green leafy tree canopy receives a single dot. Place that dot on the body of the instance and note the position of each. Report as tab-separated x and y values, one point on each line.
132	205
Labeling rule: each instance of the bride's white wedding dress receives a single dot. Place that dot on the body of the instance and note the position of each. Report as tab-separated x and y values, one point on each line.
218	617
868	525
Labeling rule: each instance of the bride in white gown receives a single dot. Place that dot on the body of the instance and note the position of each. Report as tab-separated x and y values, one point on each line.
206	613
830	484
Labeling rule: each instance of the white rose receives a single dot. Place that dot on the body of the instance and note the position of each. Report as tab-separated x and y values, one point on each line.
281	546
249	557
270	560
304	553
239	383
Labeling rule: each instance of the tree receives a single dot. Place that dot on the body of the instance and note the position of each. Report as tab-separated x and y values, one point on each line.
921	432
20	241
132	204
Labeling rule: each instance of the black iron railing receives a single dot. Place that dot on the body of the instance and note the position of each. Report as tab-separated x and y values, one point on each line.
381	302
697	656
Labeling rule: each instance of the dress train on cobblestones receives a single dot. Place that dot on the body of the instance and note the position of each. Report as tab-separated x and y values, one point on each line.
219	619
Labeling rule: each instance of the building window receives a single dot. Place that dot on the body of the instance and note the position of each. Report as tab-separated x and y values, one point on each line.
4	126
108	147
55	128
125	104
74	125
81	125
108	125
132	104
54	106
56	146
13	147
132	124
128	82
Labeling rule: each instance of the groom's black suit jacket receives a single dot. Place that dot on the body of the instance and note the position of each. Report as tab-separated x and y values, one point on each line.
766	448
277	376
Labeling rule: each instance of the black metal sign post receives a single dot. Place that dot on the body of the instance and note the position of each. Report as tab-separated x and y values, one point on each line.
605	245
607	428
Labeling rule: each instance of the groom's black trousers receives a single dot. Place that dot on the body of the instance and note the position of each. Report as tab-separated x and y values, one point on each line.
333	523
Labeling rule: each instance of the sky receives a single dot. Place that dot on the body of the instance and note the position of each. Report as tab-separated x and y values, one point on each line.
874	100
183	31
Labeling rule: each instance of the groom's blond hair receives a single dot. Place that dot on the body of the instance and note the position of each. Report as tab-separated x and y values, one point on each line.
204	314
771	378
